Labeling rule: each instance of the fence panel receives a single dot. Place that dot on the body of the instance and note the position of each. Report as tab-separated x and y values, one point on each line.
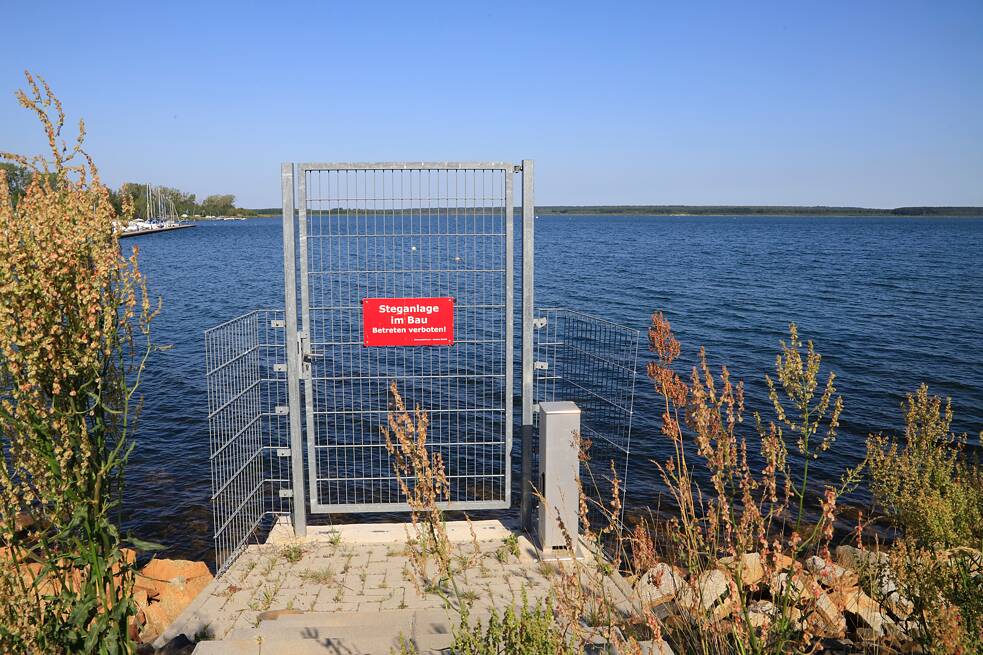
248	428
592	362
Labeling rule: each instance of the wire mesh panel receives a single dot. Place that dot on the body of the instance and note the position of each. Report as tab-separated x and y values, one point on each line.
247	419
402	231
592	362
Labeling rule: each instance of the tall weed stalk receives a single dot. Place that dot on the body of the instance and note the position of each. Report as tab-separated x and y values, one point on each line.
74	335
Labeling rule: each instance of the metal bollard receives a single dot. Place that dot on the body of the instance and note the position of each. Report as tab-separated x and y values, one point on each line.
559	468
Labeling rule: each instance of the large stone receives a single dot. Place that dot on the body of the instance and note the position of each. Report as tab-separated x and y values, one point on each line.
659	585
708	588
761	613
659	647
168	586
865	608
860	560
831	622
874	567
830	574
747	568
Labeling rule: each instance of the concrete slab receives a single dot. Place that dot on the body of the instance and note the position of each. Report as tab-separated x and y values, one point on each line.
384	533
361	576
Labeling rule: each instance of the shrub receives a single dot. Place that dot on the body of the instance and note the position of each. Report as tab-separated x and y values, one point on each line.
70	307
924	481
934	494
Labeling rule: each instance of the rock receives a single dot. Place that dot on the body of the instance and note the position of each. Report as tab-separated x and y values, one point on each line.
180	645
865	608
660	584
832	623
830	574
761	613
805	594
170	586
659	647
747	567
708	588
23	521
875	567
857	560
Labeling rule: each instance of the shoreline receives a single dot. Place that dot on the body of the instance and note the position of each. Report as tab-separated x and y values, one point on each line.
137	233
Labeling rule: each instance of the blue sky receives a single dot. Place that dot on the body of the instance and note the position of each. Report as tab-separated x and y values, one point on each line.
837	103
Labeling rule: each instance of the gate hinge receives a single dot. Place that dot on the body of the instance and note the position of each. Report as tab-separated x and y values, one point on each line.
539	322
286	493
540	366
517	168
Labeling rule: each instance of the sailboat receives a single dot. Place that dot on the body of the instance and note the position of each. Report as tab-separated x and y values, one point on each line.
160	213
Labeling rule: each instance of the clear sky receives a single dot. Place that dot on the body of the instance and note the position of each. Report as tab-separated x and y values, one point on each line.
820	102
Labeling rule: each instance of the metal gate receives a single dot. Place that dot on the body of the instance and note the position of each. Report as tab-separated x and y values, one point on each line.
400	231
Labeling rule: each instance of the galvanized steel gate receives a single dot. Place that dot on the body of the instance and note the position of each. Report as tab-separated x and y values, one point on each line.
401	230
303	384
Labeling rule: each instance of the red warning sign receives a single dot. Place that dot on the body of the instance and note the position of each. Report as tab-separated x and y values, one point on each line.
408	321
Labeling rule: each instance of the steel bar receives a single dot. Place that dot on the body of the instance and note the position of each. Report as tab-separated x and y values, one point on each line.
528	301
293	354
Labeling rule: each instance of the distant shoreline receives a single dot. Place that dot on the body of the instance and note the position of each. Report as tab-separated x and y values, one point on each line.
720	210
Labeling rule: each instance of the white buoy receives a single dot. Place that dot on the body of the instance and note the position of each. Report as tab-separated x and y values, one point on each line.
412	247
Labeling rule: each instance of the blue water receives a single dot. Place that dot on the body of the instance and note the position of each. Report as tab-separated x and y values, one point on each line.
889	302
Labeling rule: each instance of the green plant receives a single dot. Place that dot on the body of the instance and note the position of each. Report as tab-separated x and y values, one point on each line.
924	480
510	546
293	553
323	576
74	337
945	592
934	494
531	630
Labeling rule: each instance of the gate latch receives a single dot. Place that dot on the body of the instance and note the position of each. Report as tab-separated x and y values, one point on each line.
541	366
286	493
539	322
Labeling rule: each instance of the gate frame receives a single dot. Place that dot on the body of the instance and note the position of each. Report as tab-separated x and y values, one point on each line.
299	349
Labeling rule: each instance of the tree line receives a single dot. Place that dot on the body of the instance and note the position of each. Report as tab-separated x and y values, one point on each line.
19	178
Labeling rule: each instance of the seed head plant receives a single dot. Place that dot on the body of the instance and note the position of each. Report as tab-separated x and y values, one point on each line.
74	335
753	507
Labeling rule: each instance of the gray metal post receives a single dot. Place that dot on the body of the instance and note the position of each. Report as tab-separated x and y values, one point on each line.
293	353
528	218
559	466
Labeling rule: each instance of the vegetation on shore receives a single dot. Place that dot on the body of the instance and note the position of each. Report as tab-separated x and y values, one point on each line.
749	563
74	337
134	196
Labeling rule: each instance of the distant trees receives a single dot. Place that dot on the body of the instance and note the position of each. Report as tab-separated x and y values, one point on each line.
219	205
184	203
18	179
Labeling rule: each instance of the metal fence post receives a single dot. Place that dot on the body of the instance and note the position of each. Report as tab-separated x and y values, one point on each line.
528	218
293	353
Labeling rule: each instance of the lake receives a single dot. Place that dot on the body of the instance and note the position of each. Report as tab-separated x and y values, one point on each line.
889	302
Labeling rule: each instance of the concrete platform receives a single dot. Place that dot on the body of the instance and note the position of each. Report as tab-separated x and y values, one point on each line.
351	589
